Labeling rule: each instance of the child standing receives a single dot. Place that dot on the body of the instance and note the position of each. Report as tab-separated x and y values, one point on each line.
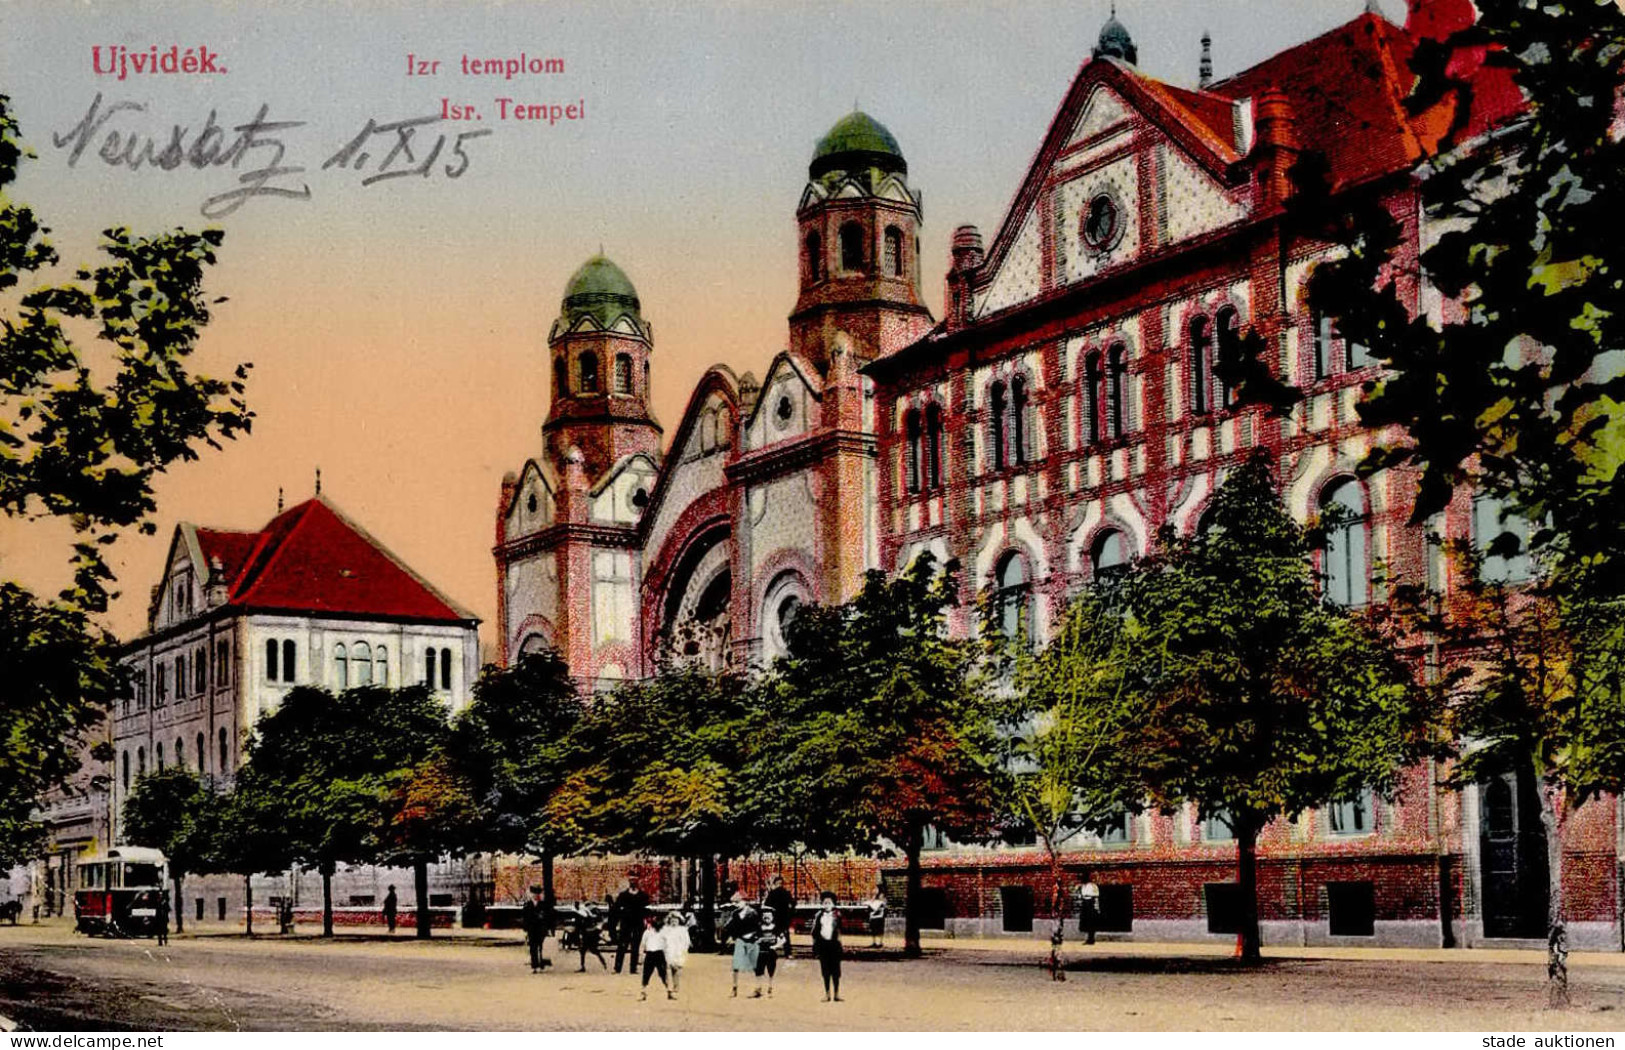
677	944
768	946
653	947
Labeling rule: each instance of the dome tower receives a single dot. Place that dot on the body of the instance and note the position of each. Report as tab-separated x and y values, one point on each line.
600	346
860	259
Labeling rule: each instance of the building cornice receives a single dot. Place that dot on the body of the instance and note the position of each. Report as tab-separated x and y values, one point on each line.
784	458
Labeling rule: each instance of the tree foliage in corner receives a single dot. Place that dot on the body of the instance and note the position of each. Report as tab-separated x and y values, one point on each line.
1256	698
81	437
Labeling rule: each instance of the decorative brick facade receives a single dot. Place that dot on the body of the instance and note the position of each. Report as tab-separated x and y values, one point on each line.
1062	412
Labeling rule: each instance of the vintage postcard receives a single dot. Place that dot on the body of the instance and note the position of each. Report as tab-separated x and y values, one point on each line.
999	505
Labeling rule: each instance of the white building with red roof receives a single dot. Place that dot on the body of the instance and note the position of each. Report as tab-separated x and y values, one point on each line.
240	618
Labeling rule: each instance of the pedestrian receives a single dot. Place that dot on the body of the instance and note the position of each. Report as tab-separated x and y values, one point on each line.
654	955
743	929
877	918
631	907
163	918
391	904
783	907
284	917
768	945
534	918
589	935
1089	908
678	943
826	941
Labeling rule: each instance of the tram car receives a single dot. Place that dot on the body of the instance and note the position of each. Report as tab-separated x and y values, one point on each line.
119	892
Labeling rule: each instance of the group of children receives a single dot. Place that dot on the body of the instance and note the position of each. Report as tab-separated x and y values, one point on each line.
665	949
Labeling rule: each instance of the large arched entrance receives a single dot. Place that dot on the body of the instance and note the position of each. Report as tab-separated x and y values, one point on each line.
697	621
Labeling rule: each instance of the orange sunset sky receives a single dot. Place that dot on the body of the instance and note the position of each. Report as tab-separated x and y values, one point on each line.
398	331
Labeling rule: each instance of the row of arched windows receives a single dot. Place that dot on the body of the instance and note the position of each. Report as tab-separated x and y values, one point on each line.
1013	583
429	664
1209	340
587	378
854	253
283	669
1105	394
923	454
201	753
1331	353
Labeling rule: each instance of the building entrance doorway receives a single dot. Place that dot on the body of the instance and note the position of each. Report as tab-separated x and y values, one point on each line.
1512	856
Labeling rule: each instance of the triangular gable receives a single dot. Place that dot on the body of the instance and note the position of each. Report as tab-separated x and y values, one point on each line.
1103	112
719	379
1184	117
621	466
787	361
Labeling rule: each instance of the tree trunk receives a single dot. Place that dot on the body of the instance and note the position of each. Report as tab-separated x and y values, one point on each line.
911	899
549	902
180	908
1246	831
708	902
327	899
1057	970
420	882
248	903
1553	815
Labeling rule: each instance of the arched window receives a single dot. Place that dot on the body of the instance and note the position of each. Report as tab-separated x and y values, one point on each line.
1019	418
894	251
1115	367
225	753
428	668
287	661
1109	555
180	676
341	667
588	365
140	762
361	663
180	753
560	371
1347	582
1321	330
933	445
158	754
1013	599
912	453
623	373
126	757
380	666
202	753
445	668
1091	398
1229	325
1491	519
815	258
852	253
200	670
270	659
996	409
1201	361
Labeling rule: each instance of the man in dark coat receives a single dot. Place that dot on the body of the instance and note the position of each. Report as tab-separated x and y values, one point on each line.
630	909
534	917
391	904
783	907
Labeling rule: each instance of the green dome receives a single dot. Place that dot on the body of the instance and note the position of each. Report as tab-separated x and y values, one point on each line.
857	141
1116	42
601	289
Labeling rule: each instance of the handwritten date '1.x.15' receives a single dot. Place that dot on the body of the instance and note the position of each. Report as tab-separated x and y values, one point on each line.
390	150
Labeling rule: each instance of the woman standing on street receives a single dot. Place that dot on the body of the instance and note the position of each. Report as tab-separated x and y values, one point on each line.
743	929
826	940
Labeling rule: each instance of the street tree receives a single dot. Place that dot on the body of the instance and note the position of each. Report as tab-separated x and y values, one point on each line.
168	809
880	726
511	747
1257	698
83	432
331	765
1067	728
431	812
249	835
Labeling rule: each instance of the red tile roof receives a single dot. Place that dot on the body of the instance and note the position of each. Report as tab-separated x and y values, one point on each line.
312	559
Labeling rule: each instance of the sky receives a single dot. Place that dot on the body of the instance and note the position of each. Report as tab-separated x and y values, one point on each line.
398	330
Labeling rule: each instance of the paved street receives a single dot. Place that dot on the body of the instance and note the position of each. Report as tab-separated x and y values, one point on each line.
51	978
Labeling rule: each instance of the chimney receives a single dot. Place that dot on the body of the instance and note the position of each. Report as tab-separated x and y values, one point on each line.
967	257
1204	70
1276	148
